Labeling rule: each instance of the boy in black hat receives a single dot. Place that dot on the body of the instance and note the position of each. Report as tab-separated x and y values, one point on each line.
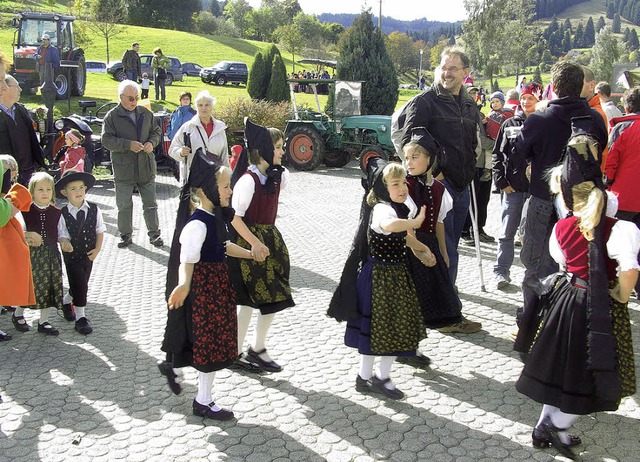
80	236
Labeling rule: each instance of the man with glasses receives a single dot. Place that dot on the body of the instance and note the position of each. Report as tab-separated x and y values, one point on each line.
450	115
131	134
46	53
17	135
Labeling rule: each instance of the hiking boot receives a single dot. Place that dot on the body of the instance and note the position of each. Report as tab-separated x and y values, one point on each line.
463	327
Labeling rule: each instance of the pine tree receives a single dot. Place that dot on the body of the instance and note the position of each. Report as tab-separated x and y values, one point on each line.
600	24
589	33
256	86
627	34
610	9
268	66
578	40
363	56
567	25
566	41
537	76
617	24
633	43
214	8
278	88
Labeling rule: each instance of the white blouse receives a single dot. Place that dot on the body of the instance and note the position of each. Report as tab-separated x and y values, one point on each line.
623	246
245	188
191	239
383	212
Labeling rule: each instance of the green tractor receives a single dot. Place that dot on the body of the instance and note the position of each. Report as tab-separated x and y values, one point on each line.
312	138
71	77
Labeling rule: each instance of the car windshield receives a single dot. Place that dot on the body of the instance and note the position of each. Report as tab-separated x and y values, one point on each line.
32	30
221	65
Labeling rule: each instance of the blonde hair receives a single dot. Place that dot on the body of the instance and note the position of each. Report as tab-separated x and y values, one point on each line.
42	176
418	148
391	171
195	200
9	162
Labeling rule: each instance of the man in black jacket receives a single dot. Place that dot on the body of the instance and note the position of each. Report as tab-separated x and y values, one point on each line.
17	135
542	141
449	114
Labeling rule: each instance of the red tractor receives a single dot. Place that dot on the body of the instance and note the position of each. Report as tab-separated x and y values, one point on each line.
30	27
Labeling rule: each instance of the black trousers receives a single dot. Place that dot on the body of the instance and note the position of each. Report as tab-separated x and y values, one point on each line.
78	274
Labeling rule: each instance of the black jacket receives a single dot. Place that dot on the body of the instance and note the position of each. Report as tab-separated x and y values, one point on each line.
453	125
509	168
10	144
545	134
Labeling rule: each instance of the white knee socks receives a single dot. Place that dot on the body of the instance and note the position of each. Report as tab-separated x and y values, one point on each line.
205	383
262	329
244	318
44	315
366	366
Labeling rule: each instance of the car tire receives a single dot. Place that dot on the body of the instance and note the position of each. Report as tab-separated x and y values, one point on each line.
120	75
169	79
221	80
304	148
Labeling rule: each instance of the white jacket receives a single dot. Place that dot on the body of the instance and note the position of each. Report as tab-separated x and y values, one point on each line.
217	143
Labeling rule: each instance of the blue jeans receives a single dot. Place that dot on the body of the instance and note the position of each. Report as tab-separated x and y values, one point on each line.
511	215
453	224
538	264
132	75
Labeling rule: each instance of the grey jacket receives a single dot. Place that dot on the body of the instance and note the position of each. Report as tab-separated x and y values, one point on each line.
118	130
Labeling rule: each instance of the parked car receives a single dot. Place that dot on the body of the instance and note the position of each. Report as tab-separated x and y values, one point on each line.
225	71
96	66
173	73
191	69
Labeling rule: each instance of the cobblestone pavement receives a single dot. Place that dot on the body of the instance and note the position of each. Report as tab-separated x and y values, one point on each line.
101	397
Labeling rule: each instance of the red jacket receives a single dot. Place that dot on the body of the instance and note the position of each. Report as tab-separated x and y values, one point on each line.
623	161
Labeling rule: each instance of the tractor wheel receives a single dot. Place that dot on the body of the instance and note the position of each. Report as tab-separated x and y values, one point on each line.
304	148
79	77
336	158
62	83
369	153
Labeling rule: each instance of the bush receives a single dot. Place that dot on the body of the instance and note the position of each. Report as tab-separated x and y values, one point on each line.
206	23
233	112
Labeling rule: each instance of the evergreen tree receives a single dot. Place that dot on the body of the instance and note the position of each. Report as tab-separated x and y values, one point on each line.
600	24
610	9
633	42
256	85
567	25
268	66
589	33
537	76
617	24
214	8
278	88
578	40
566	42
627	34
363	56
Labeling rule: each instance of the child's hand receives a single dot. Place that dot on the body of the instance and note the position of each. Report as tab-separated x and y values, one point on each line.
177	297
33	239
421	216
427	258
260	251
65	245
92	254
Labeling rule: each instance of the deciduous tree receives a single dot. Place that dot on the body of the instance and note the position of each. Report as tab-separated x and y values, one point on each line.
603	54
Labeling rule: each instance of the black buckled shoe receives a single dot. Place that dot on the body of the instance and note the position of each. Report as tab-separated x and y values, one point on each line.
20	326
555	440
84	326
208	413
166	369
269	366
48	329
68	312
540	438
4	337
245	363
363	385
378	385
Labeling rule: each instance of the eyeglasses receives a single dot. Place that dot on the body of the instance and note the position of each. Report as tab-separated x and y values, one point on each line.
453	68
131	98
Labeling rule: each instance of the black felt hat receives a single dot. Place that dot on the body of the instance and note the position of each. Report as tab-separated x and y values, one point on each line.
203	175
375	167
258	137
73	175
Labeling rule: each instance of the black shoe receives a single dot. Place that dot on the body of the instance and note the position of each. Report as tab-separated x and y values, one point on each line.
68	312
4	337
555	440
467	239
419	360
156	240
48	329
125	241
245	363
378	385
484	237
269	366
205	411
83	326
166	369
20	326
362	385
540	438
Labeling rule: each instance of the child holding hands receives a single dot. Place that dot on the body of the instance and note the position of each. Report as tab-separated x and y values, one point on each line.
80	234
74	157
202	324
388	323
41	233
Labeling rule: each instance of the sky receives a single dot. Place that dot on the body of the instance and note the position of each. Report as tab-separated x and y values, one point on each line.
433	10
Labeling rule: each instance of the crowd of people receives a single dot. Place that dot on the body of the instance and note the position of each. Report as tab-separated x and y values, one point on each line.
579	228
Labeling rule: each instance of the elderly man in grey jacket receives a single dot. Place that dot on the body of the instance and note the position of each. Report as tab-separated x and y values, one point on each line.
130	133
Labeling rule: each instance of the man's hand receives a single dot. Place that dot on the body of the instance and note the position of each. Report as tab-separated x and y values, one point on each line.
148	147
508	190
136	146
92	254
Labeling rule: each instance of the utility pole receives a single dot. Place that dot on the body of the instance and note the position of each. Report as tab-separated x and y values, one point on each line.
380	17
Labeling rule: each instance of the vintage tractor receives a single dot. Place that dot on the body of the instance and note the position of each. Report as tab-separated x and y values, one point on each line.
30	27
313	138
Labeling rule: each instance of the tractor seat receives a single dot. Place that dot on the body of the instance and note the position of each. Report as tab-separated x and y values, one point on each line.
85	104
